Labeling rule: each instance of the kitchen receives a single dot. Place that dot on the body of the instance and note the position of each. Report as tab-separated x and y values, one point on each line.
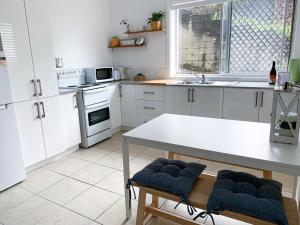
70	168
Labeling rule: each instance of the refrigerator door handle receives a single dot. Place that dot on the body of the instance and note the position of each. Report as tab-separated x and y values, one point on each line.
4	107
38	110
40	87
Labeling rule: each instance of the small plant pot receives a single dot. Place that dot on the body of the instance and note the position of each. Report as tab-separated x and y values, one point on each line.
115	42
156	25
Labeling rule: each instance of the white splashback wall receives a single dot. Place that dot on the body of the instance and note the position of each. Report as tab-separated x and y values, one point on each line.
150	60
81	31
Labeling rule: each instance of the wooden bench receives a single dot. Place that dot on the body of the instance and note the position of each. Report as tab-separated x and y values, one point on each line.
199	198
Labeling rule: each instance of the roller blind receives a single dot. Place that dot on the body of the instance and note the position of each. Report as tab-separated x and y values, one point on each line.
181	4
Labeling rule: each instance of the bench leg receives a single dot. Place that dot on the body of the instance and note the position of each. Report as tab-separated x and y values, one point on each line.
141	207
155	201
267	174
172	155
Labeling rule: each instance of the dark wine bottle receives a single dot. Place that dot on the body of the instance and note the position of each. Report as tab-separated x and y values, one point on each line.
273	74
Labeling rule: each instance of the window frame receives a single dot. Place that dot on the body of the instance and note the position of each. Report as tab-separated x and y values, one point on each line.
172	41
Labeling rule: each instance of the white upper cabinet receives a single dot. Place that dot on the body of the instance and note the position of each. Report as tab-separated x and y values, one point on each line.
128	105
52	125
178	100
43	56
241	104
14	33
265	108
207	102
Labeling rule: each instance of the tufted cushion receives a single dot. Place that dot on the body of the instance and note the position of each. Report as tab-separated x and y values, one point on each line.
246	194
174	176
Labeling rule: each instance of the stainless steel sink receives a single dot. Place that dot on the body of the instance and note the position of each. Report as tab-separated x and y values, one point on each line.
195	83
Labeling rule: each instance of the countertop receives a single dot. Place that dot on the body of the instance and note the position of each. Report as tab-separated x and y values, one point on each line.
224	84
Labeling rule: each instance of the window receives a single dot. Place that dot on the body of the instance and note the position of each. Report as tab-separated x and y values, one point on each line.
239	37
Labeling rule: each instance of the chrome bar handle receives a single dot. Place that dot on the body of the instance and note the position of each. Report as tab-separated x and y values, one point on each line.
193	90
34	88
120	90
149	92
75	101
256	99
151	108
189	93
38	110
40	87
262	99
43	107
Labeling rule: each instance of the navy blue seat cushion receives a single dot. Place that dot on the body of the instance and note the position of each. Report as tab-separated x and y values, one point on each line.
246	194
174	176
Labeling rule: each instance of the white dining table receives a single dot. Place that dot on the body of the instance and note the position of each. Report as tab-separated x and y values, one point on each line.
241	143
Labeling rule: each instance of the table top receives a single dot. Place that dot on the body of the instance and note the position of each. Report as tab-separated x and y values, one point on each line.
237	142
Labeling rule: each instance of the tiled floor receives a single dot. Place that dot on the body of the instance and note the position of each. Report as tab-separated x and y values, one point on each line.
86	188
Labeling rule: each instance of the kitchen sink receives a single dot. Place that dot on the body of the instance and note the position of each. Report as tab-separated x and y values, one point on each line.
195	83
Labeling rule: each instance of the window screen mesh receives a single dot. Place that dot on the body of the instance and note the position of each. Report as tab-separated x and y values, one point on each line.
260	34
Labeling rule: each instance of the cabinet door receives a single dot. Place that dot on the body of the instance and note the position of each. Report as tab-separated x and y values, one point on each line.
42	47
52	125
14	34
30	132
207	102
266	99
70	120
128	106
177	100
241	104
115	106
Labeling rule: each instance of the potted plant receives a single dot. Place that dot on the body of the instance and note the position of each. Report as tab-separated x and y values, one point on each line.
155	20
126	24
115	41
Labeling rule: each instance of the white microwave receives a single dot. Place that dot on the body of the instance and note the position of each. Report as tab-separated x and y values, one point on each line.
98	75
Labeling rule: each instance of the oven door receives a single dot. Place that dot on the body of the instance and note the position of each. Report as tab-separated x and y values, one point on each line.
97	118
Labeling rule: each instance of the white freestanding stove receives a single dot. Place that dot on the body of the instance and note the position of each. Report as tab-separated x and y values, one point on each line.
93	106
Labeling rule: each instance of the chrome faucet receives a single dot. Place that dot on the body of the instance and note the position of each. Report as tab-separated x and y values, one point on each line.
203	78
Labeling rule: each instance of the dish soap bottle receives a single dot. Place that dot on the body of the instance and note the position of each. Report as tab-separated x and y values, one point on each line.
273	74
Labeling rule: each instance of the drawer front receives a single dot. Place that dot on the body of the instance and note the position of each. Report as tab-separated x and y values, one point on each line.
150	93
141	119
151	108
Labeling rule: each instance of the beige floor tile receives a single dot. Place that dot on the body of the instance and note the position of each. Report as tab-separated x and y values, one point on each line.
65	217
137	164
64	191
152	154
29	212
113	160
90	155
224	221
92	174
115	215
109	145
40	179
114	182
161	221
93	202
13	197
67	166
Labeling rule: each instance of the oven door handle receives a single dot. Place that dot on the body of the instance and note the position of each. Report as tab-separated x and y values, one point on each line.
101	105
101	89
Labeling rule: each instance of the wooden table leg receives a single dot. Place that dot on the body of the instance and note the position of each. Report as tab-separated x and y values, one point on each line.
141	207
170	155
267	174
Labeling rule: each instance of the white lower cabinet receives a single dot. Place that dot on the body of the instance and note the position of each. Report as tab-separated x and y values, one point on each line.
70	119
114	106
40	128
241	104
265	106
30	132
178	100
128	105
207	102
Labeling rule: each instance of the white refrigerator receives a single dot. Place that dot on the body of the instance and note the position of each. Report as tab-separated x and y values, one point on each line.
11	161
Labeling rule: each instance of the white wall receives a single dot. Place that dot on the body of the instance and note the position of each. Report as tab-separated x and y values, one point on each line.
151	59
81	31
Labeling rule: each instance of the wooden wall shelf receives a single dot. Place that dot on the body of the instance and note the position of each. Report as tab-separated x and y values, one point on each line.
144	31
127	46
